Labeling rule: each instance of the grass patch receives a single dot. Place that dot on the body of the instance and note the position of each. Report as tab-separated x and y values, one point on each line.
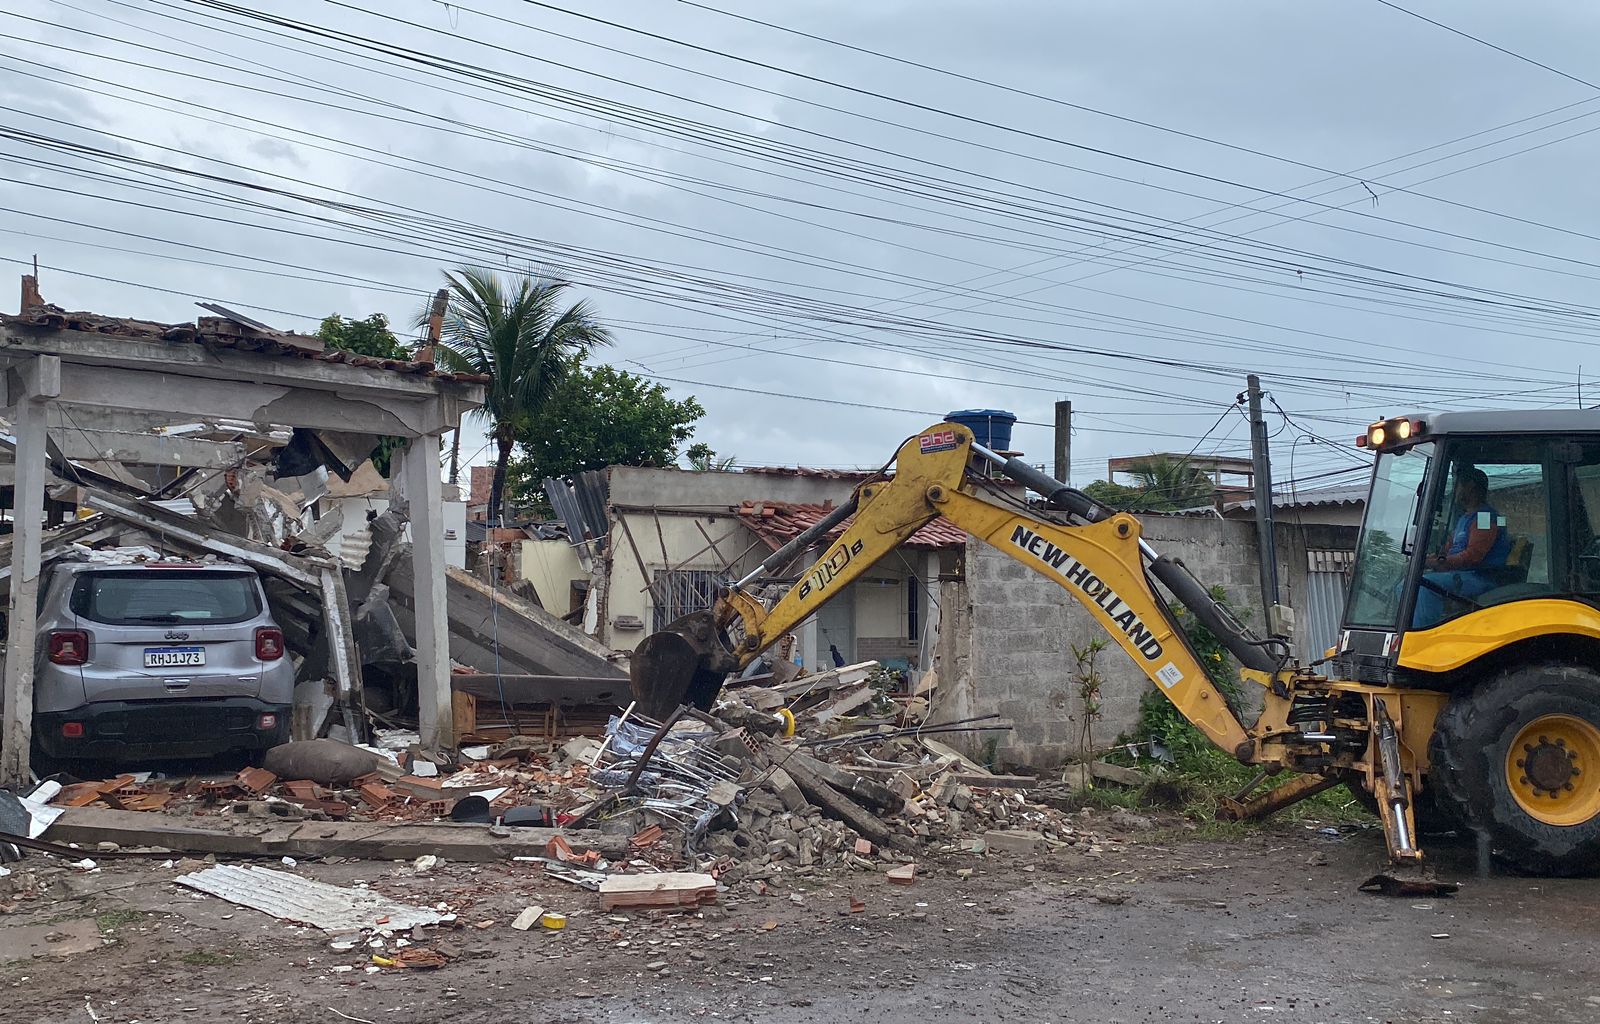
207	958
111	920
1199	775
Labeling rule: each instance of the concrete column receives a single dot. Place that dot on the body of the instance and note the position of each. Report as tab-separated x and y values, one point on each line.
930	611
31	387
425	497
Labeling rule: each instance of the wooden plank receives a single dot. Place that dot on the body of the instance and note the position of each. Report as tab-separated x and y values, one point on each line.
836	706
873	794
938	749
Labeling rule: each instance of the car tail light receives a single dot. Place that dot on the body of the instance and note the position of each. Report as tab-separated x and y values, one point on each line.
267	721
68	647
269	643
72	730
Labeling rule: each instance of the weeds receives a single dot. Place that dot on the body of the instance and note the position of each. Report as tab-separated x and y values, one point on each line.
206	958
1199	776
111	920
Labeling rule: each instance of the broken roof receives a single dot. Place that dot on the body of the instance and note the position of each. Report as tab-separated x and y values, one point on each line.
220	332
778	522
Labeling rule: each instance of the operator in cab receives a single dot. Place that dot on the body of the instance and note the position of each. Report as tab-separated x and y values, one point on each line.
1477	544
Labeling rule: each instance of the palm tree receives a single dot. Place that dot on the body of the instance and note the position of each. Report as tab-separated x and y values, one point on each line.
702	459
515	332
1167	483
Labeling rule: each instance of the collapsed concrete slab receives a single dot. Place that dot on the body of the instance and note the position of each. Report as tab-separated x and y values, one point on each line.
494	631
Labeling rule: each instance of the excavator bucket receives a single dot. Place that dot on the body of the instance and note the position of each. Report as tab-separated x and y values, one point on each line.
684	663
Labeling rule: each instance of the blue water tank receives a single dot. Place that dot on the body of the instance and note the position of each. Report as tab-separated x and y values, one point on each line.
990	427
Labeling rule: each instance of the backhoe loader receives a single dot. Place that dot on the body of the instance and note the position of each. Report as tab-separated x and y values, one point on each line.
1464	688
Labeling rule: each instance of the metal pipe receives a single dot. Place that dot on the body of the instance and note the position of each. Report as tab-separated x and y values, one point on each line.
1056	494
1239	641
805	539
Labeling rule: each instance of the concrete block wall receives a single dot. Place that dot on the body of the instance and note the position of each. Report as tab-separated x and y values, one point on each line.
1005	646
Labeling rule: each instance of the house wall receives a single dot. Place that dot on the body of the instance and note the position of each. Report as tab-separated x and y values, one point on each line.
657	516
1007	643
551	566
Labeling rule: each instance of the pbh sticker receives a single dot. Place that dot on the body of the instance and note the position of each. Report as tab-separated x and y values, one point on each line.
1170	675
942	441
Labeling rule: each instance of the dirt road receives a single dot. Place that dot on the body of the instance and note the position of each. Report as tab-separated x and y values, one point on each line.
1266	928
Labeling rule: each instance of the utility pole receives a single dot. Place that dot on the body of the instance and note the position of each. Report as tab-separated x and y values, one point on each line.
1261	466
1063	440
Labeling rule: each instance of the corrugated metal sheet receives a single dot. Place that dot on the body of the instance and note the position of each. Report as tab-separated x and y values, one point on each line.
292	898
1319	628
581	505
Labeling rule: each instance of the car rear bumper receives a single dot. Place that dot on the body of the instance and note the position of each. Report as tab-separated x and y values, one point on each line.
120	730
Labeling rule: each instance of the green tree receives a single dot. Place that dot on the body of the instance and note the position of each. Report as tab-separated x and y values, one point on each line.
518	333
702	458
1160	485
369	337
599	416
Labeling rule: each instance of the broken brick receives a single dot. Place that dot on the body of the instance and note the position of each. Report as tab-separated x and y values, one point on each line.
256	780
377	794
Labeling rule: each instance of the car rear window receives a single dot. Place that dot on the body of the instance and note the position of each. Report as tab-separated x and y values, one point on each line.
165	597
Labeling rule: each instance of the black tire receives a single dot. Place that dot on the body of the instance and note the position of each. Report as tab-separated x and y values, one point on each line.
1471	739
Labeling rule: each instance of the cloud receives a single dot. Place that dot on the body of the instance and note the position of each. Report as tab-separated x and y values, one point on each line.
875	254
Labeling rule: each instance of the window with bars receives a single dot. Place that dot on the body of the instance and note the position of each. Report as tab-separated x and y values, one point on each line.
678	592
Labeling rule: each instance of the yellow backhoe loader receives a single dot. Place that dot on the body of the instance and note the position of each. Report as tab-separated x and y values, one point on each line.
1464	686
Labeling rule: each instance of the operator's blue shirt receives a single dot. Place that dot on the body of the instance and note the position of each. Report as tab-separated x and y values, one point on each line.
1461	536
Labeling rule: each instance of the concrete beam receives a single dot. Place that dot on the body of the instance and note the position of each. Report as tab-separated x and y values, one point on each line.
192	360
104	387
33	385
148	449
195	534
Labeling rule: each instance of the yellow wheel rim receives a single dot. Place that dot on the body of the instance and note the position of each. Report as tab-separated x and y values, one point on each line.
1553	769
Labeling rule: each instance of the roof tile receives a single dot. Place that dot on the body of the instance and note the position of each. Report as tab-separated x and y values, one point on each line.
778	522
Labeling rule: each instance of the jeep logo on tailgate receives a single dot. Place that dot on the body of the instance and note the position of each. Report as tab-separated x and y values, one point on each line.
175	635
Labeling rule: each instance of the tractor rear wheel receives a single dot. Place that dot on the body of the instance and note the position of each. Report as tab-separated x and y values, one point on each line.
1518	757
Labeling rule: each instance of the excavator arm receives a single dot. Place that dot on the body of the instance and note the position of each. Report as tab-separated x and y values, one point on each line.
1099	558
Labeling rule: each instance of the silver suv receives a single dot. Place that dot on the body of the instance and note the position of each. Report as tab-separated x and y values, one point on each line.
158	660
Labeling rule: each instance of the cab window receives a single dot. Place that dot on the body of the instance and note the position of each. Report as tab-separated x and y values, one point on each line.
1489	536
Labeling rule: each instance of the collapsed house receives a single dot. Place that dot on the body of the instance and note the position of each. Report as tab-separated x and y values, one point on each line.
228	440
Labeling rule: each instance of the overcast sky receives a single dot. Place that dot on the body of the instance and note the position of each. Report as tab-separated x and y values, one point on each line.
829	248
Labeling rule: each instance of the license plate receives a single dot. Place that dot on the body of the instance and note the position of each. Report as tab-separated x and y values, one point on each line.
174	657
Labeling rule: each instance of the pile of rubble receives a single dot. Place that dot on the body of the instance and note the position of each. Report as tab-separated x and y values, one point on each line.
832	771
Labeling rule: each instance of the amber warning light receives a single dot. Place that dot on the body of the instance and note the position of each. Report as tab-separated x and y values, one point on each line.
1391	434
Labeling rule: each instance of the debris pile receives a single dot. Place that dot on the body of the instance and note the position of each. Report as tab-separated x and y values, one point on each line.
832	770
835	770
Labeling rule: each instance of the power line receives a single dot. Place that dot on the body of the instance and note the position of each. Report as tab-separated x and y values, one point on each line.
1493	46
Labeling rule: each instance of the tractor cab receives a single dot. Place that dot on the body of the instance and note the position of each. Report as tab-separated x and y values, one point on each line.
1480	543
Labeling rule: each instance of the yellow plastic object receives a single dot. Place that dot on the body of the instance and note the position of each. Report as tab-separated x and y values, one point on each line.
383	961
553	921
1551	767
788	722
1451	645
